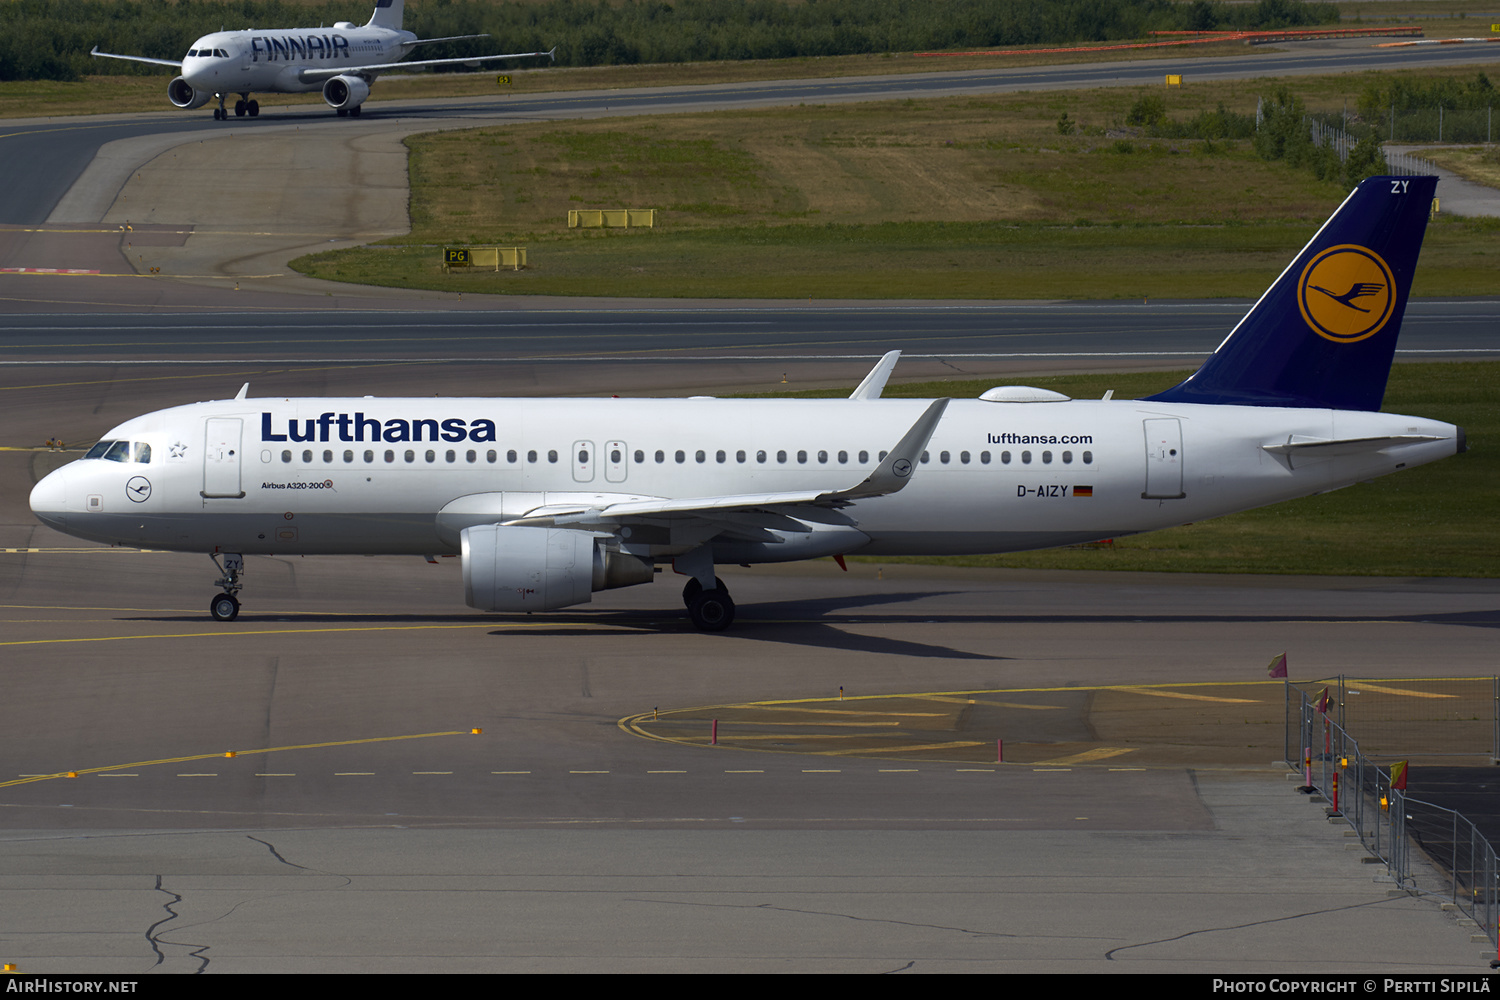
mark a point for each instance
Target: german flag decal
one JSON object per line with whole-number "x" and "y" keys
{"x": 1083, "y": 491}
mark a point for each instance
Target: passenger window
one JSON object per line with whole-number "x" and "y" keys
{"x": 984, "y": 458}
{"x": 489, "y": 456}
{"x": 640, "y": 457}
{"x": 760, "y": 457}
{"x": 286, "y": 456}
{"x": 431, "y": 455}
{"x": 1047, "y": 457}
{"x": 943, "y": 457}
{"x": 1005, "y": 458}
{"x": 1088, "y": 458}
{"x": 681, "y": 457}
{"x": 700, "y": 457}
{"x": 1067, "y": 458}
{"x": 552, "y": 457}
{"x": 661, "y": 456}
{"x": 531, "y": 456}
{"x": 801, "y": 458}
{"x": 963, "y": 457}
{"x": 739, "y": 456}
{"x": 348, "y": 457}
{"x": 307, "y": 456}
{"x": 1026, "y": 458}
{"x": 823, "y": 457}
{"x": 411, "y": 456}
{"x": 843, "y": 457}
{"x": 864, "y": 457}
{"x": 781, "y": 457}
{"x": 327, "y": 457}
{"x": 390, "y": 455}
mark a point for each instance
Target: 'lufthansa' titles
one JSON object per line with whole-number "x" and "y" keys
{"x": 359, "y": 427}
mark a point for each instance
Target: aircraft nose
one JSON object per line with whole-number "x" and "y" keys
{"x": 49, "y": 499}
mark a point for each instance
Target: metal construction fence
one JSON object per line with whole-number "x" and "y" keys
{"x": 1399, "y": 164}
{"x": 1452, "y": 859}
{"x": 1439, "y": 124}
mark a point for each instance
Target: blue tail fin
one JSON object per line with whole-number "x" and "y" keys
{"x": 388, "y": 14}
{"x": 1324, "y": 333}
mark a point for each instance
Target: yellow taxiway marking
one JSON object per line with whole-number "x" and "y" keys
{"x": 28, "y": 778}
{"x": 922, "y": 747}
{"x": 1088, "y": 756}
{"x": 753, "y": 722}
{"x": 267, "y": 631}
{"x": 1132, "y": 689}
{"x": 992, "y": 704}
{"x": 837, "y": 711}
{"x": 1382, "y": 689}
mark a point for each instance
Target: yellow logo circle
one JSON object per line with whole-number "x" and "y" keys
{"x": 1346, "y": 293}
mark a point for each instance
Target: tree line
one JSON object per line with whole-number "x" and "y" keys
{"x": 50, "y": 39}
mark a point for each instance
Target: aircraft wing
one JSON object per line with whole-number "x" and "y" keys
{"x": 890, "y": 476}
{"x": 140, "y": 59}
{"x": 315, "y": 75}
{"x": 433, "y": 41}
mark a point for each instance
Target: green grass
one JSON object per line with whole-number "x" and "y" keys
{"x": 972, "y": 197}
{"x": 1441, "y": 519}
{"x": 931, "y": 260}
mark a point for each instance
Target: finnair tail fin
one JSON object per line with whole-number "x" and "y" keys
{"x": 387, "y": 14}
{"x": 1324, "y": 334}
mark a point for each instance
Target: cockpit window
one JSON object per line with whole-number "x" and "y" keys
{"x": 121, "y": 451}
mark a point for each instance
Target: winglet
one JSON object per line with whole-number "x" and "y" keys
{"x": 874, "y": 383}
{"x": 894, "y": 473}
{"x": 244, "y": 391}
{"x": 552, "y": 54}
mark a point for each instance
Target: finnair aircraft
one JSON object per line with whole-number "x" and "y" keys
{"x": 342, "y": 61}
{"x": 549, "y": 500}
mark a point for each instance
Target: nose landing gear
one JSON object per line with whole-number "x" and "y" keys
{"x": 225, "y": 607}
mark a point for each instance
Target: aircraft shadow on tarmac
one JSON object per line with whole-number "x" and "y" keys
{"x": 818, "y": 623}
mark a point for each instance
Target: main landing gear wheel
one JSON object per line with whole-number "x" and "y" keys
{"x": 711, "y": 610}
{"x": 693, "y": 588}
{"x": 224, "y": 607}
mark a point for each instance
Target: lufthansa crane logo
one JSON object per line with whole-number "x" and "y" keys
{"x": 138, "y": 489}
{"x": 1346, "y": 293}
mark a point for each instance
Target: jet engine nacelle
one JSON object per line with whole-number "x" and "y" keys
{"x": 344, "y": 93}
{"x": 182, "y": 94}
{"x": 512, "y": 568}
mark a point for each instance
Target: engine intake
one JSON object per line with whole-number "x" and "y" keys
{"x": 182, "y": 94}
{"x": 344, "y": 93}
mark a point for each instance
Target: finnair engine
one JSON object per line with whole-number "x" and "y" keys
{"x": 182, "y": 94}
{"x": 512, "y": 568}
{"x": 345, "y": 93}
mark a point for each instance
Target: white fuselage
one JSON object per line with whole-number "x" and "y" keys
{"x": 274, "y": 61}
{"x": 365, "y": 475}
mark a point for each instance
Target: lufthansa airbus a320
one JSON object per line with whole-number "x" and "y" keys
{"x": 549, "y": 500}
